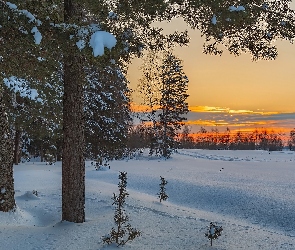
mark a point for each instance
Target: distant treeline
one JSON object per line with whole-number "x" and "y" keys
{"x": 232, "y": 141}
{"x": 214, "y": 139}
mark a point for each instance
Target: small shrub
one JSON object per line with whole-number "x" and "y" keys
{"x": 214, "y": 232}
{"x": 122, "y": 228}
{"x": 100, "y": 164}
{"x": 49, "y": 159}
{"x": 162, "y": 194}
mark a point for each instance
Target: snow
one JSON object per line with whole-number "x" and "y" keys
{"x": 28, "y": 14}
{"x": 22, "y": 87}
{"x": 214, "y": 20}
{"x": 238, "y": 8}
{"x": 31, "y": 17}
{"x": 22, "y": 29}
{"x": 81, "y": 44}
{"x": 250, "y": 196}
{"x": 37, "y": 35}
{"x": 113, "y": 15}
{"x": 11, "y": 6}
{"x": 101, "y": 39}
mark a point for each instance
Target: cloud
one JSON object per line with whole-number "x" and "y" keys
{"x": 204, "y": 116}
{"x": 223, "y": 117}
{"x": 228, "y": 110}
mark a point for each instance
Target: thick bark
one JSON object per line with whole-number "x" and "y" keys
{"x": 41, "y": 152}
{"x": 7, "y": 202}
{"x": 73, "y": 164}
{"x": 16, "y": 157}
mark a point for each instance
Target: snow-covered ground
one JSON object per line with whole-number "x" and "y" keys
{"x": 249, "y": 193}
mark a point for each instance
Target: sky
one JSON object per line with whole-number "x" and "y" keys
{"x": 228, "y": 91}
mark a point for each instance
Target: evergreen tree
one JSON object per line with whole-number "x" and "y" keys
{"x": 162, "y": 194}
{"x": 138, "y": 139}
{"x": 165, "y": 95}
{"x": 68, "y": 26}
{"x": 123, "y": 228}
{"x": 214, "y": 232}
{"x": 185, "y": 140}
{"x": 150, "y": 91}
{"x": 33, "y": 115}
{"x": 7, "y": 201}
{"x": 148, "y": 85}
{"x": 73, "y": 163}
{"x": 173, "y": 103}
{"x": 107, "y": 113}
{"x": 65, "y": 28}
{"x": 292, "y": 139}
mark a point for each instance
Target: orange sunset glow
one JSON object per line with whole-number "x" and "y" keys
{"x": 235, "y": 92}
{"x": 219, "y": 109}
{"x": 236, "y": 120}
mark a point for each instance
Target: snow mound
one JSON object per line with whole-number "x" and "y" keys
{"x": 16, "y": 218}
{"x": 29, "y": 195}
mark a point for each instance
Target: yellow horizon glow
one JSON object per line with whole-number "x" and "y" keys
{"x": 234, "y": 123}
{"x": 230, "y": 81}
{"x": 141, "y": 108}
{"x": 224, "y": 123}
{"x": 145, "y": 108}
{"x": 232, "y": 87}
{"x": 228, "y": 110}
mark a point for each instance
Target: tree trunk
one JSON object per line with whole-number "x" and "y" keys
{"x": 41, "y": 151}
{"x": 7, "y": 202}
{"x": 16, "y": 146}
{"x": 165, "y": 146}
{"x": 73, "y": 164}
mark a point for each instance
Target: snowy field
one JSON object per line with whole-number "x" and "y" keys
{"x": 249, "y": 193}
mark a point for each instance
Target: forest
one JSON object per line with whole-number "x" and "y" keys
{"x": 64, "y": 90}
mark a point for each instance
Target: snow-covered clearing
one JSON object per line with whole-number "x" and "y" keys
{"x": 249, "y": 193}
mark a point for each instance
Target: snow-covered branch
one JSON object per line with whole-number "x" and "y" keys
{"x": 98, "y": 39}
{"x": 21, "y": 86}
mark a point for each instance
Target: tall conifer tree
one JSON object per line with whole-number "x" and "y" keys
{"x": 173, "y": 102}
{"x": 62, "y": 25}
{"x": 7, "y": 201}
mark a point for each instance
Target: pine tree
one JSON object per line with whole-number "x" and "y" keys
{"x": 214, "y": 232}
{"x": 66, "y": 24}
{"x": 185, "y": 140}
{"x": 173, "y": 103}
{"x": 121, "y": 218}
{"x": 166, "y": 97}
{"x": 148, "y": 85}
{"x": 34, "y": 116}
{"x": 7, "y": 201}
{"x": 292, "y": 139}
{"x": 73, "y": 163}
{"x": 107, "y": 113}
{"x": 162, "y": 194}
{"x": 150, "y": 91}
